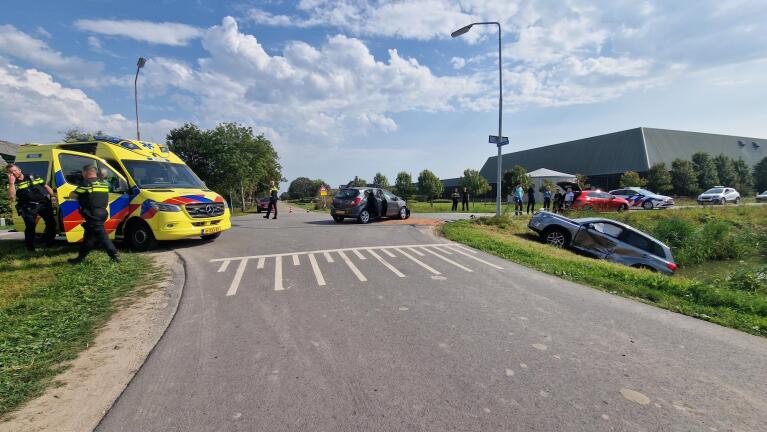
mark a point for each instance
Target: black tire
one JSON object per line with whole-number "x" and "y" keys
{"x": 623, "y": 208}
{"x": 737, "y": 200}
{"x": 723, "y": 201}
{"x": 211, "y": 237}
{"x": 364, "y": 217}
{"x": 557, "y": 237}
{"x": 403, "y": 214}
{"x": 139, "y": 237}
{"x": 338, "y": 219}
{"x": 647, "y": 205}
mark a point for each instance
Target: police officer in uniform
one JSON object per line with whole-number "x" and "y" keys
{"x": 33, "y": 198}
{"x": 93, "y": 195}
{"x": 455, "y": 197}
{"x": 272, "y": 201}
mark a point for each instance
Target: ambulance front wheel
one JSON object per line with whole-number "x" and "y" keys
{"x": 139, "y": 236}
{"x": 211, "y": 237}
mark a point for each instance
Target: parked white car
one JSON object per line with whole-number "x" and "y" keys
{"x": 642, "y": 198}
{"x": 762, "y": 197}
{"x": 719, "y": 195}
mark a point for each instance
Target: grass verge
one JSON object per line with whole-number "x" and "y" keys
{"x": 509, "y": 239}
{"x": 50, "y": 311}
{"x": 445, "y": 207}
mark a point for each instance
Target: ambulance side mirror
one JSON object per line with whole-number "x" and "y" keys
{"x": 122, "y": 187}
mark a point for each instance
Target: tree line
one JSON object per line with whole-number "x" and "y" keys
{"x": 702, "y": 172}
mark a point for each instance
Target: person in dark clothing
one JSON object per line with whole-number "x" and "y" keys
{"x": 530, "y": 199}
{"x": 373, "y": 207}
{"x": 465, "y": 200}
{"x": 33, "y": 198}
{"x": 547, "y": 199}
{"x": 455, "y": 197}
{"x": 93, "y": 195}
{"x": 560, "y": 202}
{"x": 272, "y": 201}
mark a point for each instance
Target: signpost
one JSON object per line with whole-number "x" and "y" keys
{"x": 323, "y": 194}
{"x": 493, "y": 139}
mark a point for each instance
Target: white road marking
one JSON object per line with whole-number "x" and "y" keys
{"x": 322, "y": 251}
{"x": 316, "y": 269}
{"x": 448, "y": 260}
{"x": 464, "y": 248}
{"x": 359, "y": 254}
{"x": 327, "y": 256}
{"x": 295, "y": 260}
{"x": 224, "y": 265}
{"x": 237, "y": 278}
{"x": 385, "y": 263}
{"x": 388, "y": 252}
{"x": 278, "y": 275}
{"x": 352, "y": 267}
{"x": 475, "y": 258}
{"x": 415, "y": 260}
{"x": 261, "y": 263}
{"x": 416, "y": 251}
{"x": 447, "y": 252}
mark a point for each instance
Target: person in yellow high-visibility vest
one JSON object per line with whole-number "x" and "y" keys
{"x": 272, "y": 201}
{"x": 455, "y": 197}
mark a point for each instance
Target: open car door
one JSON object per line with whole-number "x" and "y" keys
{"x": 67, "y": 166}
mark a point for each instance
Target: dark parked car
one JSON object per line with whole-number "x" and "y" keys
{"x": 593, "y": 200}
{"x": 262, "y": 204}
{"x": 353, "y": 203}
{"x": 604, "y": 239}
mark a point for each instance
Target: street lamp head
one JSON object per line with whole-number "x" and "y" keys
{"x": 461, "y": 30}
{"x": 141, "y": 62}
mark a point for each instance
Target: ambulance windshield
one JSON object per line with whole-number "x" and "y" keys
{"x": 155, "y": 174}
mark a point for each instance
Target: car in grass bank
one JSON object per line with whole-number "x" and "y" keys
{"x": 352, "y": 203}
{"x": 604, "y": 239}
{"x": 762, "y": 197}
{"x": 719, "y": 195}
{"x": 639, "y": 198}
{"x": 593, "y": 200}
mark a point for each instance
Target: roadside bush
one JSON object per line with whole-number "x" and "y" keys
{"x": 675, "y": 232}
{"x": 754, "y": 281}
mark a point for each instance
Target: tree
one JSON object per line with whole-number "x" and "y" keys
{"x": 404, "y": 184}
{"x": 725, "y": 168}
{"x": 744, "y": 180}
{"x": 760, "y": 175}
{"x": 632, "y": 179}
{"x": 381, "y": 181}
{"x": 547, "y": 185}
{"x": 302, "y": 187}
{"x": 473, "y": 181}
{"x": 683, "y": 178}
{"x": 659, "y": 179}
{"x": 358, "y": 182}
{"x": 583, "y": 181}
{"x": 705, "y": 169}
{"x": 429, "y": 185}
{"x": 77, "y": 134}
{"x": 513, "y": 177}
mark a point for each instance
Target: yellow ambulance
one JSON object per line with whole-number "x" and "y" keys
{"x": 154, "y": 195}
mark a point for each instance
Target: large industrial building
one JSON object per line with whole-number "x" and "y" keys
{"x": 605, "y": 158}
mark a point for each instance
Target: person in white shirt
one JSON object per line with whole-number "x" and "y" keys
{"x": 569, "y": 196}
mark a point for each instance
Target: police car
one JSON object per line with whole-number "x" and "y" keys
{"x": 639, "y": 198}
{"x": 719, "y": 195}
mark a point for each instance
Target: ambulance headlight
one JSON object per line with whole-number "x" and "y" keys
{"x": 165, "y": 207}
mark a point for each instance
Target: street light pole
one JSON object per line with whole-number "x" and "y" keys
{"x": 140, "y": 64}
{"x": 499, "y": 143}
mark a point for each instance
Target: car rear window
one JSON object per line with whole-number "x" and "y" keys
{"x": 347, "y": 193}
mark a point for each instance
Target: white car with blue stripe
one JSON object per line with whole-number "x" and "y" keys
{"x": 639, "y": 198}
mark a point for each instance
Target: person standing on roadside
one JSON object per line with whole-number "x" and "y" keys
{"x": 93, "y": 195}
{"x": 465, "y": 199}
{"x": 569, "y": 197}
{"x": 546, "y": 199}
{"x": 33, "y": 198}
{"x": 272, "y": 201}
{"x": 455, "y": 197}
{"x": 530, "y": 199}
{"x": 518, "y": 193}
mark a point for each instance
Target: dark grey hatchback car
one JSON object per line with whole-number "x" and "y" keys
{"x": 355, "y": 203}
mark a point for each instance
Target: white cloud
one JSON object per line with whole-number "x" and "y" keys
{"x": 163, "y": 33}
{"x": 33, "y": 106}
{"x": 458, "y": 62}
{"x": 94, "y": 43}
{"x": 17, "y": 44}
{"x": 43, "y": 32}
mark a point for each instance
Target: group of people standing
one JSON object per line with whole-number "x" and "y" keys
{"x": 555, "y": 203}
{"x": 463, "y": 197}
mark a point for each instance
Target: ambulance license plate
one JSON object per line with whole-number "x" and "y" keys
{"x": 211, "y": 230}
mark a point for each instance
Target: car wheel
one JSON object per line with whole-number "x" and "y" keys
{"x": 647, "y": 205}
{"x": 622, "y": 208}
{"x": 723, "y": 201}
{"x": 139, "y": 236}
{"x": 737, "y": 200}
{"x": 338, "y": 219}
{"x": 364, "y": 217}
{"x": 211, "y": 237}
{"x": 556, "y": 237}
{"x": 403, "y": 213}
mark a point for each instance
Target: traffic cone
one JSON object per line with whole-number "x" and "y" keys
{"x": 290, "y": 209}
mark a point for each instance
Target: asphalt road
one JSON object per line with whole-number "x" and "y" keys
{"x": 392, "y": 336}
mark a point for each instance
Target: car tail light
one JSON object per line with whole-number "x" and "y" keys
{"x": 356, "y": 201}
{"x": 671, "y": 266}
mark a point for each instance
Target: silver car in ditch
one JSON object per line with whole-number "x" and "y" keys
{"x": 604, "y": 239}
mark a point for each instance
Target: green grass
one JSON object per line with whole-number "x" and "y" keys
{"x": 445, "y": 207}
{"x": 510, "y": 239}
{"x": 50, "y": 311}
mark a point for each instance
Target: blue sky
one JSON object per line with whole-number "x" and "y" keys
{"x": 347, "y": 88}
